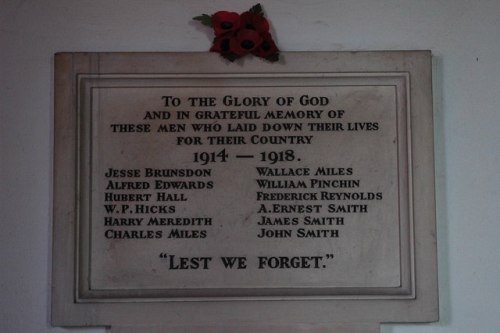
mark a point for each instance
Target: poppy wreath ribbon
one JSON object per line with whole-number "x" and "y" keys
{"x": 237, "y": 35}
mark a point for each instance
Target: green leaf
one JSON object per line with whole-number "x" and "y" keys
{"x": 229, "y": 56}
{"x": 274, "y": 57}
{"x": 257, "y": 10}
{"x": 204, "y": 19}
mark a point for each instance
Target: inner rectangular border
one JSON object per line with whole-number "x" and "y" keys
{"x": 87, "y": 82}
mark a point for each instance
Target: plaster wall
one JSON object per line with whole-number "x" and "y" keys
{"x": 464, "y": 37}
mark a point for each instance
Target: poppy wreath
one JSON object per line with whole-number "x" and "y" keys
{"x": 237, "y": 35}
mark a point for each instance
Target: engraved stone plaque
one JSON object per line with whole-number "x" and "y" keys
{"x": 185, "y": 182}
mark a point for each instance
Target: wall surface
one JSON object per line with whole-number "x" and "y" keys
{"x": 463, "y": 35}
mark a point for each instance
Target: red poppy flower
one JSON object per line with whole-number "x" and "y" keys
{"x": 255, "y": 22}
{"x": 224, "y": 22}
{"x": 221, "y": 44}
{"x": 244, "y": 42}
{"x": 267, "y": 47}
{"x": 238, "y": 35}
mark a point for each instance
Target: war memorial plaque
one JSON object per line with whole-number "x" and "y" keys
{"x": 185, "y": 184}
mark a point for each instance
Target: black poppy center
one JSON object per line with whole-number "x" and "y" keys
{"x": 265, "y": 46}
{"x": 226, "y": 25}
{"x": 250, "y": 26}
{"x": 224, "y": 45}
{"x": 247, "y": 44}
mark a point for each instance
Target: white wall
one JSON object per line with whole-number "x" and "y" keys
{"x": 463, "y": 35}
